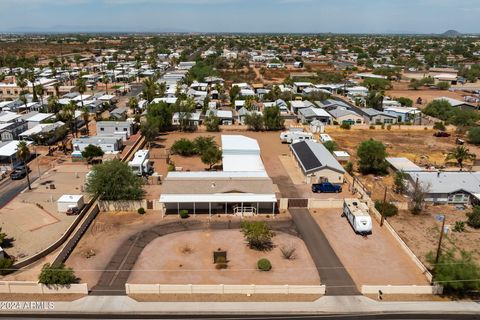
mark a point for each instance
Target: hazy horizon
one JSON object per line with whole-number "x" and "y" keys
{"x": 240, "y": 16}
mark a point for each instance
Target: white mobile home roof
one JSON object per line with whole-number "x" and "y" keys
{"x": 237, "y": 144}
{"x": 243, "y": 163}
{"x": 215, "y": 175}
{"x": 9, "y": 116}
{"x": 10, "y": 148}
{"x": 403, "y": 164}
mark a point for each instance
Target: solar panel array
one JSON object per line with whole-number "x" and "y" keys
{"x": 306, "y": 156}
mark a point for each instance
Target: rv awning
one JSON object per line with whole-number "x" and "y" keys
{"x": 217, "y": 198}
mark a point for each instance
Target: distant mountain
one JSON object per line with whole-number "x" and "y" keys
{"x": 451, "y": 33}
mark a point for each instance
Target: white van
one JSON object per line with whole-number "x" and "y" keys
{"x": 357, "y": 215}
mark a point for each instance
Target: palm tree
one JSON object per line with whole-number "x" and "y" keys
{"x": 86, "y": 118}
{"x": 106, "y": 80}
{"x": 52, "y": 104}
{"x": 69, "y": 114}
{"x": 133, "y": 104}
{"x": 56, "y": 85}
{"x": 460, "y": 154}
{"x": 82, "y": 87}
{"x": 22, "y": 83}
{"x": 40, "y": 91}
{"x": 23, "y": 153}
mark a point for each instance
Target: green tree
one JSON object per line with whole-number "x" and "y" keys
{"x": 81, "y": 87}
{"x": 460, "y": 154}
{"x": 86, "y": 118}
{"x": 254, "y": 121}
{"x": 202, "y": 144}
{"x": 456, "y": 272}
{"x": 400, "y": 182}
{"x": 133, "y": 104}
{"x": 375, "y": 84}
{"x": 114, "y": 180}
{"x": 150, "y": 130}
{"x": 372, "y": 154}
{"x": 184, "y": 147}
{"x": 443, "y": 85}
{"x": 374, "y": 100}
{"x": 56, "y": 275}
{"x": 258, "y": 235}
{"x": 6, "y": 266}
{"x": 23, "y": 153}
{"x": 474, "y": 135}
{"x": 330, "y": 145}
{"x": 234, "y": 92}
{"x": 92, "y": 151}
{"x": 161, "y": 114}
{"x": 272, "y": 119}
{"x": 106, "y": 81}
{"x": 405, "y": 102}
{"x": 212, "y": 123}
{"x": 473, "y": 217}
{"x": 211, "y": 156}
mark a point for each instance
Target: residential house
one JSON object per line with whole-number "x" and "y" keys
{"x": 109, "y": 144}
{"x": 123, "y": 129}
{"x": 11, "y": 125}
{"x": 307, "y": 115}
{"x": 317, "y": 163}
{"x": 404, "y": 114}
{"x": 342, "y": 115}
{"x": 458, "y": 103}
{"x": 225, "y": 116}
{"x": 373, "y": 116}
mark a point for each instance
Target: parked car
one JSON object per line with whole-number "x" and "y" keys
{"x": 73, "y": 211}
{"x": 441, "y": 134}
{"x": 326, "y": 187}
{"x": 18, "y": 174}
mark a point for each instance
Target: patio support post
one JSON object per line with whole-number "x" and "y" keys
{"x": 209, "y": 209}
{"x": 194, "y": 213}
{"x": 178, "y": 209}
{"x": 273, "y": 210}
{"x": 226, "y": 207}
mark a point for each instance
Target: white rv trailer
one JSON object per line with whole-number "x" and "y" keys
{"x": 325, "y": 137}
{"x": 140, "y": 163}
{"x": 357, "y": 215}
{"x": 291, "y": 136}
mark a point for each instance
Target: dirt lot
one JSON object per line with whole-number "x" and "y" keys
{"x": 400, "y": 89}
{"x": 373, "y": 260}
{"x": 421, "y": 233}
{"x": 34, "y": 214}
{"x": 420, "y": 146}
{"x": 187, "y": 257}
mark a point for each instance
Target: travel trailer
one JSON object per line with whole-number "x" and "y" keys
{"x": 357, "y": 215}
{"x": 295, "y": 136}
{"x": 140, "y": 163}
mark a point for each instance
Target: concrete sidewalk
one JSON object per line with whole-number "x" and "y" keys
{"x": 327, "y": 304}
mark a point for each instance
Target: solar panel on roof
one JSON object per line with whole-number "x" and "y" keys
{"x": 306, "y": 156}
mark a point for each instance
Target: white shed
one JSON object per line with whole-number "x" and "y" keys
{"x": 69, "y": 201}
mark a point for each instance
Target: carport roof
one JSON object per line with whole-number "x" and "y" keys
{"x": 217, "y": 198}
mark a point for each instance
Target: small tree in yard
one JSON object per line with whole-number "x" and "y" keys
{"x": 460, "y": 154}
{"x": 254, "y": 121}
{"x": 457, "y": 273}
{"x": 330, "y": 145}
{"x": 5, "y": 266}
{"x": 440, "y": 126}
{"x": 400, "y": 182}
{"x": 474, "y": 135}
{"x": 211, "y": 156}
{"x": 443, "y": 85}
{"x": 258, "y": 235}
{"x": 212, "y": 123}
{"x": 202, "y": 144}
{"x": 474, "y": 218}
{"x": 56, "y": 275}
{"x": 183, "y": 147}
{"x": 372, "y": 154}
{"x": 272, "y": 119}
{"x": 150, "y": 130}
{"x": 418, "y": 197}
{"x": 114, "y": 180}
{"x": 387, "y": 209}
{"x": 92, "y": 151}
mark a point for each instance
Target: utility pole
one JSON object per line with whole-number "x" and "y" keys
{"x": 440, "y": 240}
{"x": 383, "y": 207}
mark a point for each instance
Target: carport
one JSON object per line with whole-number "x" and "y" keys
{"x": 232, "y": 203}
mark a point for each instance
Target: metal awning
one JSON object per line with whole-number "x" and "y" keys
{"x": 218, "y": 198}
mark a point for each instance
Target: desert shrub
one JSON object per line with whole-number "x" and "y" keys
{"x": 264, "y": 265}
{"x": 474, "y": 218}
{"x": 382, "y": 126}
{"x": 56, "y": 275}
{"x": 346, "y": 126}
{"x": 474, "y": 135}
{"x": 372, "y": 127}
{"x": 258, "y": 235}
{"x": 184, "y": 214}
{"x": 389, "y": 127}
{"x": 349, "y": 167}
{"x": 390, "y": 209}
{"x": 439, "y": 126}
{"x": 141, "y": 211}
{"x": 459, "y": 226}
{"x": 288, "y": 252}
{"x": 457, "y": 273}
{"x": 171, "y": 167}
{"x": 5, "y": 265}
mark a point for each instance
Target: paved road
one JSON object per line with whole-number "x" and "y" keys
{"x": 331, "y": 270}
{"x": 266, "y": 317}
{"x": 112, "y": 282}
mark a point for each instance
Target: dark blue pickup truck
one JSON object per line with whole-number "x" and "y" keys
{"x": 326, "y": 187}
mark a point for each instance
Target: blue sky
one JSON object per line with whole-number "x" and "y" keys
{"x": 339, "y": 16}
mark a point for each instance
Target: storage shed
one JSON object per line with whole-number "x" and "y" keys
{"x": 70, "y": 201}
